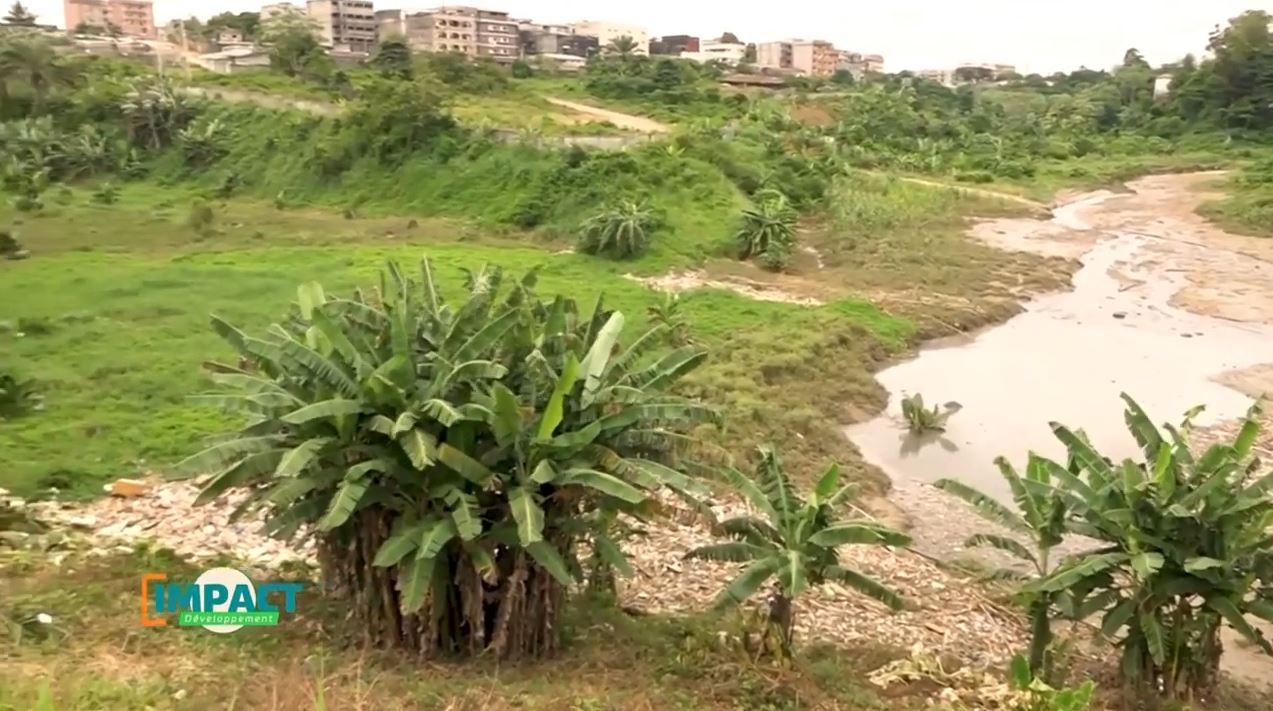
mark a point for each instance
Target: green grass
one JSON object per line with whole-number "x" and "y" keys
{"x": 126, "y": 292}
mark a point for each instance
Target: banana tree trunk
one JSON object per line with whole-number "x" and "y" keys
{"x": 1040, "y": 633}
{"x": 782, "y": 620}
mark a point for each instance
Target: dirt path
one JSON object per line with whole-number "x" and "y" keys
{"x": 1187, "y": 304}
{"x": 983, "y": 192}
{"x": 622, "y": 120}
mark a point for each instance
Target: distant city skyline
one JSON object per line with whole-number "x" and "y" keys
{"x": 911, "y": 34}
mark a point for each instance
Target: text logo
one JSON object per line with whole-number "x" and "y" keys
{"x": 221, "y": 600}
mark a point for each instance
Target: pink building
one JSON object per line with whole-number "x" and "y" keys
{"x": 132, "y": 18}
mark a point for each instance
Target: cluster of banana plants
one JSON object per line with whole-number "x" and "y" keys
{"x": 450, "y": 458}
{"x": 1185, "y": 545}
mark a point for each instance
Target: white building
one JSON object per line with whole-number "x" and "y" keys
{"x": 233, "y": 59}
{"x": 607, "y": 32}
{"x": 1162, "y": 86}
{"x": 730, "y": 53}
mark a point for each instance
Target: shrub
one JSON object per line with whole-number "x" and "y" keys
{"x": 920, "y": 420}
{"x": 202, "y": 143}
{"x": 201, "y": 218}
{"x": 522, "y": 70}
{"x": 10, "y": 247}
{"x": 106, "y": 193}
{"x": 620, "y": 232}
{"x": 449, "y": 457}
{"x": 18, "y": 397}
{"x": 794, "y": 542}
{"x": 768, "y": 230}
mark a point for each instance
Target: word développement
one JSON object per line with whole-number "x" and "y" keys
{"x": 220, "y": 600}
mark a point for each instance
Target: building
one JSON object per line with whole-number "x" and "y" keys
{"x": 859, "y": 65}
{"x": 130, "y": 18}
{"x": 561, "y": 62}
{"x": 774, "y": 55}
{"x": 608, "y": 32}
{"x": 455, "y": 28}
{"x": 544, "y": 40}
{"x": 674, "y": 44}
{"x": 345, "y": 23}
{"x": 729, "y": 53}
{"x": 1162, "y": 86}
{"x": 234, "y": 59}
{"x": 945, "y": 77}
{"x": 817, "y": 58}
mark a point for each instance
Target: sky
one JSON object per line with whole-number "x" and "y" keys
{"x": 1036, "y": 35}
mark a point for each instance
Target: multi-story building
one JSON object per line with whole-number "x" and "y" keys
{"x": 817, "y": 58}
{"x": 345, "y": 23}
{"x": 859, "y": 64}
{"x": 607, "y": 32}
{"x": 729, "y": 53}
{"x": 537, "y": 39}
{"x": 131, "y": 18}
{"x": 674, "y": 44}
{"x": 454, "y": 28}
{"x": 774, "y": 55}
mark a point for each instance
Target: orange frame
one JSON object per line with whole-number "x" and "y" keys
{"x": 150, "y": 621}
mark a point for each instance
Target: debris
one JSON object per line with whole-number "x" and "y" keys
{"x": 127, "y": 487}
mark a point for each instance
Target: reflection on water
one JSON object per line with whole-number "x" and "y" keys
{"x": 911, "y": 443}
{"x": 1066, "y": 358}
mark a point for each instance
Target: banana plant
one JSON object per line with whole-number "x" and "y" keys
{"x": 1041, "y": 519}
{"x": 1187, "y": 548}
{"x": 793, "y": 541}
{"x": 448, "y": 458}
{"x": 920, "y": 419}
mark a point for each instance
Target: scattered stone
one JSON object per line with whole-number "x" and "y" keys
{"x": 127, "y": 487}
{"x": 1120, "y": 314}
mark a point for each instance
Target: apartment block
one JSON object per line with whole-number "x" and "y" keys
{"x": 728, "y": 53}
{"x": 608, "y": 32}
{"x": 774, "y": 55}
{"x": 559, "y": 40}
{"x": 859, "y": 64}
{"x": 674, "y": 44}
{"x": 345, "y": 23}
{"x": 467, "y": 30}
{"x": 131, "y": 18}
{"x": 814, "y": 57}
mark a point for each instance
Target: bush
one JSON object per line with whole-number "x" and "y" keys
{"x": 768, "y": 230}
{"x": 450, "y": 458}
{"x": 201, "y": 218}
{"x": 106, "y": 193}
{"x": 10, "y": 247}
{"x": 619, "y": 232}
{"x": 18, "y": 397}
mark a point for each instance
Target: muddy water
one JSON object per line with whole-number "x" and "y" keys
{"x": 1069, "y": 355}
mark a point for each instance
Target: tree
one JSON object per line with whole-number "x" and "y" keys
{"x": 974, "y": 74}
{"x": 794, "y": 541}
{"x": 1133, "y": 58}
{"x": 449, "y": 457}
{"x": 729, "y": 37}
{"x": 394, "y": 58}
{"x": 1041, "y": 520}
{"x": 749, "y": 53}
{"x": 33, "y": 63}
{"x": 85, "y": 28}
{"x": 1185, "y": 550}
{"x": 1241, "y": 69}
{"x": 294, "y": 45}
{"x": 622, "y": 46}
{"x": 19, "y": 15}
{"x": 247, "y": 24}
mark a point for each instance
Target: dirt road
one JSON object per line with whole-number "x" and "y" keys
{"x": 622, "y": 120}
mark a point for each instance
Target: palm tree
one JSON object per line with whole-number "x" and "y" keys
{"x": 36, "y": 64}
{"x": 1042, "y": 521}
{"x": 622, "y": 46}
{"x": 795, "y": 542}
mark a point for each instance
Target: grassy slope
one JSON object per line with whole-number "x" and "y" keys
{"x": 125, "y": 291}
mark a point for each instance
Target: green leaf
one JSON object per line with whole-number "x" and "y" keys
{"x": 544, "y": 472}
{"x": 465, "y": 513}
{"x": 793, "y": 577}
{"x": 507, "y": 424}
{"x": 735, "y": 552}
{"x": 1067, "y": 575}
{"x": 381, "y": 424}
{"x": 1230, "y": 612}
{"x": 483, "y": 340}
{"x": 1003, "y": 543}
{"x": 327, "y": 408}
{"x": 343, "y": 503}
{"x": 1146, "y": 564}
{"x": 240, "y": 473}
{"x": 553, "y": 411}
{"x": 747, "y": 582}
{"x": 434, "y": 536}
{"x": 528, "y": 515}
{"x": 594, "y": 363}
{"x": 867, "y": 586}
{"x": 219, "y": 455}
{"x": 405, "y": 423}
{"x": 464, "y": 465}
{"x": 610, "y": 552}
{"x": 414, "y": 578}
{"x": 549, "y": 558}
{"x": 859, "y": 533}
{"x": 310, "y": 296}
{"x": 1199, "y": 563}
{"x": 825, "y": 488}
{"x": 1116, "y": 618}
{"x": 1088, "y": 458}
{"x": 420, "y": 447}
{"x": 295, "y": 461}
{"x": 753, "y": 494}
{"x": 397, "y": 546}
{"x": 605, "y": 483}
{"x": 986, "y": 506}
{"x": 1153, "y": 632}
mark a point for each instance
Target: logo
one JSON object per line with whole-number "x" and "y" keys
{"x": 221, "y": 600}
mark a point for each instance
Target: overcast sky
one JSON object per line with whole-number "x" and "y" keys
{"x": 1036, "y": 35}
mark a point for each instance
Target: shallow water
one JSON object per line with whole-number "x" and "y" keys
{"x": 1066, "y": 358}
